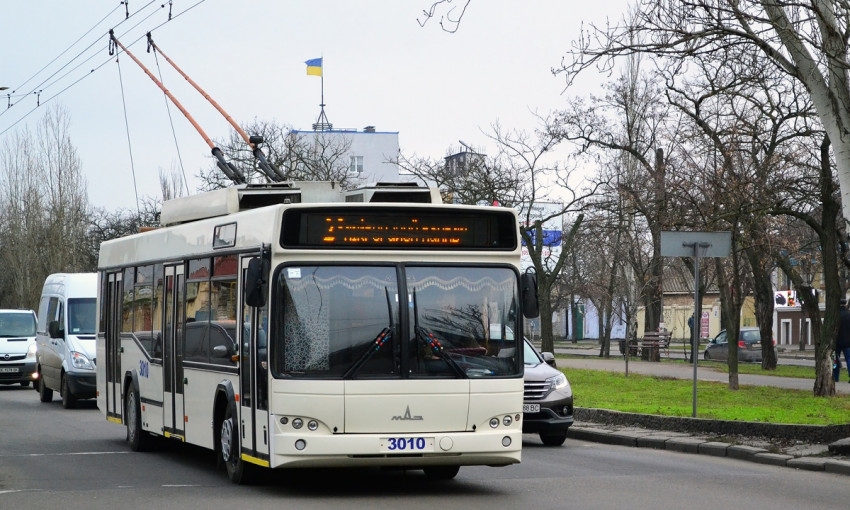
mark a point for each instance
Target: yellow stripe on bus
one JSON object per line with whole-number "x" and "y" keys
{"x": 255, "y": 460}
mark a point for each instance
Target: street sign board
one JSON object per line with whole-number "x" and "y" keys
{"x": 681, "y": 244}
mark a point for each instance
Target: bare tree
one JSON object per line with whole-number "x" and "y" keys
{"x": 632, "y": 120}
{"x": 541, "y": 182}
{"x": 450, "y": 14}
{"x": 806, "y": 40}
{"x": 297, "y": 156}
{"x": 44, "y": 209}
{"x": 471, "y": 181}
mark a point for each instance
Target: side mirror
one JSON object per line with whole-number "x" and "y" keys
{"x": 55, "y": 330}
{"x": 256, "y": 282}
{"x": 549, "y": 358}
{"x": 528, "y": 287}
{"x": 220, "y": 351}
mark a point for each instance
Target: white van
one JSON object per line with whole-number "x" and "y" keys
{"x": 65, "y": 357}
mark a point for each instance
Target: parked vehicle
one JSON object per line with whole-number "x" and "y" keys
{"x": 548, "y": 401}
{"x": 749, "y": 346}
{"x": 65, "y": 358}
{"x": 17, "y": 346}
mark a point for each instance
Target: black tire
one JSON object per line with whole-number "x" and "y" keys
{"x": 441, "y": 472}
{"x": 706, "y": 355}
{"x": 25, "y": 383}
{"x": 553, "y": 438}
{"x": 139, "y": 439}
{"x": 68, "y": 400}
{"x": 45, "y": 394}
{"x": 237, "y": 471}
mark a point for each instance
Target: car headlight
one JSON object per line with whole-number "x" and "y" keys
{"x": 79, "y": 360}
{"x": 31, "y": 351}
{"x": 559, "y": 382}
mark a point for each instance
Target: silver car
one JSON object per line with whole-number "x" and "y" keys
{"x": 548, "y": 402}
{"x": 17, "y": 346}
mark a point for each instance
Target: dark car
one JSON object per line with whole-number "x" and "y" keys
{"x": 548, "y": 403}
{"x": 749, "y": 346}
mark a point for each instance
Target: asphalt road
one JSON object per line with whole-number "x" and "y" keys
{"x": 52, "y": 458}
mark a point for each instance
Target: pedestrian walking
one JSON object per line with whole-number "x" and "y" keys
{"x": 842, "y": 341}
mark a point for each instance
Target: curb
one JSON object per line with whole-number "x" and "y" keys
{"x": 688, "y": 444}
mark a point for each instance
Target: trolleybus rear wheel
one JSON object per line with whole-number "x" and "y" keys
{"x": 139, "y": 439}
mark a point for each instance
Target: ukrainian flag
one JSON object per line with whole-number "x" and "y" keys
{"x": 314, "y": 67}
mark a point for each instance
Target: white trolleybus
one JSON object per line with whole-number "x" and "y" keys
{"x": 295, "y": 325}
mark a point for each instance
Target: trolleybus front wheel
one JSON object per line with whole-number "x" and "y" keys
{"x": 441, "y": 472}
{"x": 229, "y": 449}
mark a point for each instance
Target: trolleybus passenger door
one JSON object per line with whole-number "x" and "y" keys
{"x": 253, "y": 373}
{"x": 172, "y": 354}
{"x": 112, "y": 308}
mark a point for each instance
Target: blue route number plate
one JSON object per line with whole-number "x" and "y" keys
{"x": 407, "y": 444}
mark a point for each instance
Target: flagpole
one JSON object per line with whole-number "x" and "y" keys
{"x": 322, "y": 123}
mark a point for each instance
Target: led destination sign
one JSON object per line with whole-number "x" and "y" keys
{"x": 396, "y": 228}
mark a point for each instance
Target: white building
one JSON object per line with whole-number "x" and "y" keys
{"x": 371, "y": 155}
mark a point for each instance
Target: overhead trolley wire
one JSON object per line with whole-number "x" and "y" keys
{"x": 96, "y": 68}
{"x": 129, "y": 144}
{"x": 66, "y": 51}
{"x": 171, "y": 123}
{"x": 41, "y": 86}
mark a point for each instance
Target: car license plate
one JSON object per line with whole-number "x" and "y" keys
{"x": 9, "y": 370}
{"x": 407, "y": 444}
{"x": 531, "y": 408}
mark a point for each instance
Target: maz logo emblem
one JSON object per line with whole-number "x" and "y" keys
{"x": 407, "y": 416}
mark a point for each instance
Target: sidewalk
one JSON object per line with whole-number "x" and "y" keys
{"x": 625, "y": 430}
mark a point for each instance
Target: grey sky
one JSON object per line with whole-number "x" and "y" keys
{"x": 380, "y": 68}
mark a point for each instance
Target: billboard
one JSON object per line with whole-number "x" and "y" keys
{"x": 553, "y": 229}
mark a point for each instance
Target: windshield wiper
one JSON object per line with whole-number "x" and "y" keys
{"x": 377, "y": 343}
{"x": 437, "y": 349}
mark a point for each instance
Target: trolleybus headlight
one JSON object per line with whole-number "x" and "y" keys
{"x": 301, "y": 444}
{"x": 494, "y": 422}
{"x": 506, "y": 420}
{"x": 284, "y": 420}
{"x": 506, "y": 441}
{"x": 297, "y": 423}
{"x": 312, "y": 424}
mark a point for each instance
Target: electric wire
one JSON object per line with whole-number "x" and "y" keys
{"x": 171, "y": 17}
{"x": 68, "y": 49}
{"x": 171, "y": 122}
{"x": 127, "y": 129}
{"x": 96, "y": 68}
{"x": 41, "y": 86}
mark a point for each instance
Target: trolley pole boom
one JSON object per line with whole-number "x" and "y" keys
{"x": 267, "y": 168}
{"x": 202, "y": 92}
{"x": 232, "y": 172}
